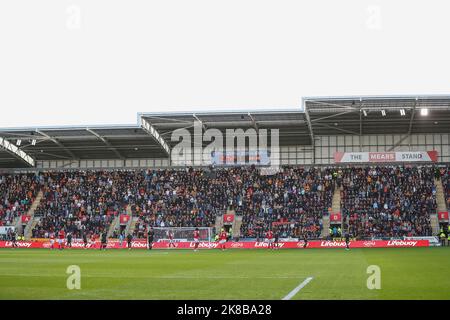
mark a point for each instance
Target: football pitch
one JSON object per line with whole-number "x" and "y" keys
{"x": 406, "y": 273}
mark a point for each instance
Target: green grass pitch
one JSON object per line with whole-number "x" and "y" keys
{"x": 409, "y": 273}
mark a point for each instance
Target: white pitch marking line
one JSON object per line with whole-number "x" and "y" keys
{"x": 297, "y": 289}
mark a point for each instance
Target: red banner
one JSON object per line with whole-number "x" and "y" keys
{"x": 335, "y": 217}
{"x": 124, "y": 218}
{"x": 25, "y": 219}
{"x": 228, "y": 218}
{"x": 443, "y": 215}
{"x": 278, "y": 223}
{"x": 142, "y": 244}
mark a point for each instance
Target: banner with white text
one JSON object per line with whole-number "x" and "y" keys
{"x": 375, "y": 157}
{"x": 142, "y": 244}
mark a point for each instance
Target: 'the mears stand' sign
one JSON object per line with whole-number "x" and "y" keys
{"x": 364, "y": 157}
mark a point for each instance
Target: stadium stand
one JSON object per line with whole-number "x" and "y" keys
{"x": 80, "y": 201}
{"x": 17, "y": 193}
{"x": 388, "y": 201}
{"x": 293, "y": 201}
{"x": 445, "y": 178}
{"x": 183, "y": 198}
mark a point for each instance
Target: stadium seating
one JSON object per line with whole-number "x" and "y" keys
{"x": 445, "y": 178}
{"x": 296, "y": 199}
{"x": 388, "y": 201}
{"x": 293, "y": 201}
{"x": 81, "y": 201}
{"x": 182, "y": 198}
{"x": 17, "y": 193}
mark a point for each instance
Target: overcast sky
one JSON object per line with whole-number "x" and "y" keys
{"x": 71, "y": 62}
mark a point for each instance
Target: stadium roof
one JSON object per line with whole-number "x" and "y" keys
{"x": 364, "y": 115}
{"x": 151, "y": 136}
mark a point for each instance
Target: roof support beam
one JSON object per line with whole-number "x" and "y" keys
{"x": 155, "y": 135}
{"x": 360, "y": 126}
{"x": 198, "y": 119}
{"x": 399, "y": 142}
{"x": 106, "y": 142}
{"x": 16, "y": 152}
{"x": 408, "y": 134}
{"x": 232, "y": 124}
{"x": 339, "y": 129}
{"x": 59, "y": 144}
{"x": 332, "y": 105}
{"x": 411, "y": 121}
{"x": 311, "y": 132}
{"x": 255, "y": 124}
{"x": 332, "y": 116}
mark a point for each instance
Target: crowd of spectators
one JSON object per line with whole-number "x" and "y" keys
{"x": 389, "y": 201}
{"x": 80, "y": 202}
{"x": 180, "y": 198}
{"x": 445, "y": 178}
{"x": 17, "y": 193}
{"x": 292, "y": 202}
